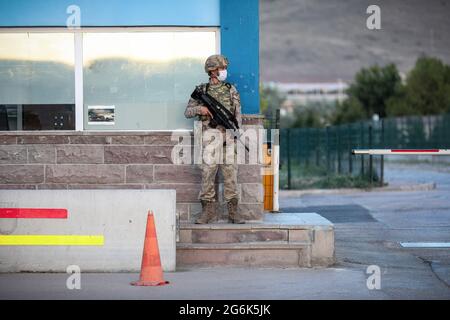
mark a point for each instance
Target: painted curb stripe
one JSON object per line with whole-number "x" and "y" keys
{"x": 51, "y": 240}
{"x": 33, "y": 213}
{"x": 425, "y": 244}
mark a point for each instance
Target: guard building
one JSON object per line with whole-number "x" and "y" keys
{"x": 90, "y": 91}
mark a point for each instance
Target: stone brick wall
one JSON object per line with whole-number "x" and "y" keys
{"x": 115, "y": 160}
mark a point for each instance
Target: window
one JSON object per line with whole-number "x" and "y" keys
{"x": 146, "y": 76}
{"x": 132, "y": 79}
{"x": 37, "y": 86}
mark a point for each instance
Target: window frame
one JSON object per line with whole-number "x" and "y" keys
{"x": 78, "y": 62}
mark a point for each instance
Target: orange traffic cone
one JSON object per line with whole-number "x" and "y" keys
{"x": 151, "y": 271}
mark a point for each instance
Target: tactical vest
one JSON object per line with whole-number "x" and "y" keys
{"x": 222, "y": 94}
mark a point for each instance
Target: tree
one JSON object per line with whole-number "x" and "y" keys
{"x": 373, "y": 87}
{"x": 427, "y": 90}
{"x": 312, "y": 114}
{"x": 270, "y": 100}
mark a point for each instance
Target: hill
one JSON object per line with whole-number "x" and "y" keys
{"x": 324, "y": 40}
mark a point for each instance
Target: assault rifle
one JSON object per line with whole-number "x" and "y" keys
{"x": 221, "y": 115}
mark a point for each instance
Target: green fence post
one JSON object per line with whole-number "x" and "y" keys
{"x": 298, "y": 147}
{"x": 317, "y": 146}
{"x": 362, "y": 146}
{"x": 328, "y": 149}
{"x": 382, "y": 156}
{"x": 350, "y": 157}
{"x": 338, "y": 148}
{"x": 307, "y": 146}
{"x": 288, "y": 157}
{"x": 370, "y": 156}
{"x": 446, "y": 141}
{"x": 277, "y": 119}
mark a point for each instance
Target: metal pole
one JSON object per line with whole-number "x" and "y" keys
{"x": 307, "y": 146}
{"x": 317, "y": 146}
{"x": 382, "y": 156}
{"x": 338, "y": 148}
{"x": 328, "y": 149}
{"x": 370, "y": 156}
{"x": 277, "y": 119}
{"x": 350, "y": 157}
{"x": 276, "y": 170}
{"x": 288, "y": 157}
{"x": 362, "y": 143}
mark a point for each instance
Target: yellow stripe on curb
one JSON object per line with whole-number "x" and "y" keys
{"x": 51, "y": 240}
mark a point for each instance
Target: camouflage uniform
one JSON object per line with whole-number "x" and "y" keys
{"x": 217, "y": 154}
{"x": 228, "y": 95}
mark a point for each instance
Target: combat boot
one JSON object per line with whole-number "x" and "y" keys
{"x": 233, "y": 216}
{"x": 208, "y": 213}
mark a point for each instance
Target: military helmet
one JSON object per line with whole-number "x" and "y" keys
{"x": 214, "y": 62}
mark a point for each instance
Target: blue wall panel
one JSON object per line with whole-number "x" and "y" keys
{"x": 26, "y": 13}
{"x": 240, "y": 43}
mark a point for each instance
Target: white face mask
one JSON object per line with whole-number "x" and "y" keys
{"x": 222, "y": 75}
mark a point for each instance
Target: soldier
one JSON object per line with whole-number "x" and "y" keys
{"x": 227, "y": 94}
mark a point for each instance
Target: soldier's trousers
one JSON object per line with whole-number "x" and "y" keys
{"x": 229, "y": 173}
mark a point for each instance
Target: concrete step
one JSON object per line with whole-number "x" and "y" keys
{"x": 230, "y": 233}
{"x": 250, "y": 254}
{"x": 246, "y": 245}
{"x": 280, "y": 240}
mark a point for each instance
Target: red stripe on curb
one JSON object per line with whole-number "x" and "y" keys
{"x": 32, "y": 213}
{"x": 414, "y": 150}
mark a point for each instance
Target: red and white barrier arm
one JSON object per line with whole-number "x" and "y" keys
{"x": 437, "y": 152}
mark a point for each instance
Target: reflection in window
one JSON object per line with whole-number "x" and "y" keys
{"x": 36, "y": 81}
{"x": 146, "y": 76}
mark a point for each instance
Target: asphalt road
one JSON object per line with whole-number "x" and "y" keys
{"x": 370, "y": 233}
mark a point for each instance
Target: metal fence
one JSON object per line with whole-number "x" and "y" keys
{"x": 321, "y": 157}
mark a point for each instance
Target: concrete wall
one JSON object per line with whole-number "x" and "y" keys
{"x": 114, "y": 160}
{"x": 119, "y": 215}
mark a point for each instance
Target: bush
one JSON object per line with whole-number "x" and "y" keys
{"x": 350, "y": 110}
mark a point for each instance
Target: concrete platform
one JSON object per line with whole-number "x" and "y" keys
{"x": 280, "y": 240}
